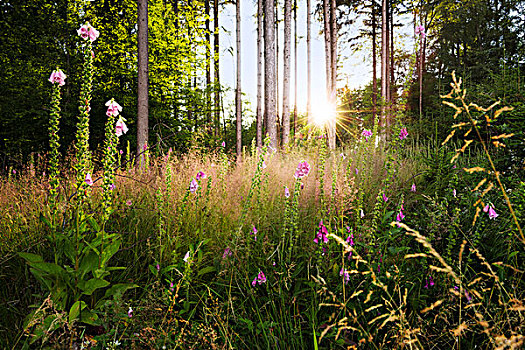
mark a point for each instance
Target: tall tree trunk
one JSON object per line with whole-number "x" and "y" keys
{"x": 327, "y": 45}
{"x": 238, "y": 102}
{"x": 278, "y": 114}
{"x": 259, "y": 113}
{"x": 142, "y": 100}
{"x": 384, "y": 67}
{"x": 286, "y": 70}
{"x": 391, "y": 65}
{"x": 374, "y": 61}
{"x": 308, "y": 64}
{"x": 208, "y": 62}
{"x": 333, "y": 73}
{"x": 269, "y": 72}
{"x": 216, "y": 57}
{"x": 295, "y": 70}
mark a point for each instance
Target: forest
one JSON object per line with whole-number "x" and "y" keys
{"x": 256, "y": 174}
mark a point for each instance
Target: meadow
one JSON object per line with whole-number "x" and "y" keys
{"x": 375, "y": 245}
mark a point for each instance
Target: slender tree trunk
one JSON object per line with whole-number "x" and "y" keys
{"x": 333, "y": 73}
{"x": 216, "y": 58}
{"x": 269, "y": 72}
{"x": 208, "y": 62}
{"x": 259, "y": 114}
{"x": 391, "y": 65}
{"x": 374, "y": 61}
{"x": 238, "y": 102}
{"x": 142, "y": 103}
{"x": 278, "y": 112}
{"x": 308, "y": 64}
{"x": 286, "y": 70}
{"x": 295, "y": 70}
{"x": 421, "y": 67}
{"x": 327, "y": 45}
{"x": 384, "y": 67}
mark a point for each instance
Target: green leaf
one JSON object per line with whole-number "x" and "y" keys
{"x": 109, "y": 251}
{"x": 118, "y": 289}
{"x": 74, "y": 312}
{"x": 50, "y": 268}
{"x": 94, "y": 224}
{"x": 31, "y": 258}
{"x": 93, "y": 284}
{"x": 45, "y": 221}
{"x": 205, "y": 270}
{"x": 88, "y": 263}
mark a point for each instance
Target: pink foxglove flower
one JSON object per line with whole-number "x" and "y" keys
{"x": 193, "y": 186}
{"x": 120, "y": 127}
{"x": 112, "y": 187}
{"x": 492, "y": 213}
{"x": 157, "y": 267}
{"x": 346, "y": 275}
{"x": 286, "y": 192}
{"x": 259, "y": 279}
{"x": 343, "y": 157}
{"x": 400, "y": 216}
{"x": 227, "y": 253}
{"x": 201, "y": 175}
{"x": 254, "y": 233}
{"x": 88, "y": 32}
{"x": 186, "y": 257}
{"x": 413, "y": 189}
{"x": 223, "y": 144}
{"x": 130, "y": 312}
{"x": 303, "y": 169}
{"x": 454, "y": 192}
{"x": 113, "y": 108}
{"x": 420, "y": 30}
{"x": 264, "y": 165}
{"x": 128, "y": 203}
{"x": 57, "y": 77}
{"x": 403, "y": 134}
{"x": 385, "y": 198}
{"x": 322, "y": 234}
{"x": 366, "y": 133}
{"x": 88, "y": 179}
{"x": 362, "y": 213}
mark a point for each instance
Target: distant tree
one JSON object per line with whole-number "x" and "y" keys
{"x": 286, "y": 70}
{"x": 270, "y": 80}
{"x": 238, "y": 101}
{"x": 142, "y": 104}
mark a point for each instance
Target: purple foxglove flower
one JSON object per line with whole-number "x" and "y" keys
{"x": 366, "y": 133}
{"x": 57, "y": 77}
{"x": 454, "y": 192}
{"x": 201, "y": 175}
{"x": 227, "y": 253}
{"x": 420, "y": 30}
{"x": 413, "y": 189}
{"x": 112, "y": 187}
{"x": 254, "y": 282}
{"x": 187, "y": 256}
{"x": 223, "y": 144}
{"x": 193, "y": 186}
{"x": 303, "y": 169}
{"x": 346, "y": 275}
{"x": 431, "y": 281}
{"x": 264, "y": 164}
{"x": 385, "y": 198}
{"x": 88, "y": 179}
{"x": 286, "y": 192}
{"x": 400, "y": 216}
{"x": 113, "y": 108}
{"x": 130, "y": 312}
{"x": 362, "y": 213}
{"x": 158, "y": 267}
{"x": 492, "y": 213}
{"x": 128, "y": 203}
{"x": 403, "y": 134}
{"x": 261, "y": 278}
{"x": 120, "y": 127}
{"x": 343, "y": 157}
{"x": 171, "y": 287}
{"x": 88, "y": 32}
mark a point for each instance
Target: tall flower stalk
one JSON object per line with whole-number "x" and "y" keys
{"x": 57, "y": 79}
{"x": 88, "y": 34}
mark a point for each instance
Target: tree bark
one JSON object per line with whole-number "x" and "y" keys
{"x": 374, "y": 62}
{"x": 384, "y": 67}
{"x": 142, "y": 91}
{"x": 216, "y": 58}
{"x": 238, "y": 102}
{"x": 208, "y": 62}
{"x": 286, "y": 70}
{"x": 295, "y": 70}
{"x": 333, "y": 73}
{"x": 308, "y": 64}
{"x": 269, "y": 72}
{"x": 259, "y": 113}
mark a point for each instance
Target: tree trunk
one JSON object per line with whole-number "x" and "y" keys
{"x": 384, "y": 67}
{"x": 208, "y": 62}
{"x": 238, "y": 102}
{"x": 269, "y": 72}
{"x": 278, "y": 114}
{"x": 308, "y": 64}
{"x": 286, "y": 70}
{"x": 142, "y": 91}
{"x": 216, "y": 57}
{"x": 327, "y": 45}
{"x": 374, "y": 62}
{"x": 295, "y": 70}
{"x": 259, "y": 113}
{"x": 333, "y": 74}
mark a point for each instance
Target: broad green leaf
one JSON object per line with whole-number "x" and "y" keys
{"x": 31, "y": 258}
{"x": 93, "y": 284}
{"x": 205, "y": 270}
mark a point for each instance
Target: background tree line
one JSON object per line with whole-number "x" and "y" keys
{"x": 483, "y": 41}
